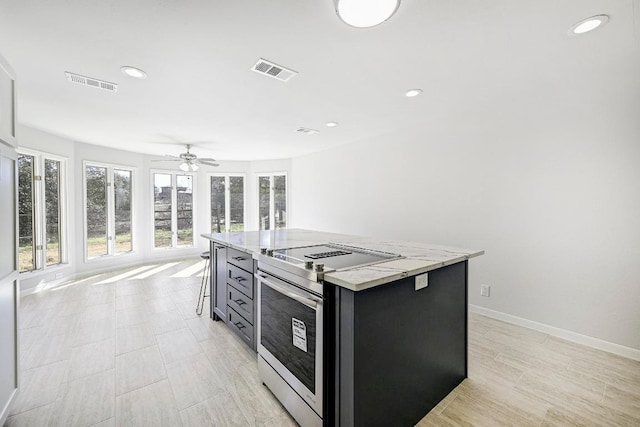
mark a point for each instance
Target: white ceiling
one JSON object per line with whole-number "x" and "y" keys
{"x": 489, "y": 57}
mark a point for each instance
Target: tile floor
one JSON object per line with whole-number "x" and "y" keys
{"x": 127, "y": 349}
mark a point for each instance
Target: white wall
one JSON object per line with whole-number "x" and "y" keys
{"x": 556, "y": 207}
{"x": 77, "y": 153}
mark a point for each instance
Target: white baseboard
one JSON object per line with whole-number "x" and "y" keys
{"x": 588, "y": 341}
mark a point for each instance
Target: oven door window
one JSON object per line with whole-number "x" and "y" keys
{"x": 288, "y": 328}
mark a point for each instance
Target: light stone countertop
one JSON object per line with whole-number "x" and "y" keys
{"x": 418, "y": 257}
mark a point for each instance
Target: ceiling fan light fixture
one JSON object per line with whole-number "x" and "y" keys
{"x": 184, "y": 166}
{"x": 365, "y": 13}
{"x": 194, "y": 167}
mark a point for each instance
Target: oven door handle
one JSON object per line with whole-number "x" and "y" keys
{"x": 302, "y": 300}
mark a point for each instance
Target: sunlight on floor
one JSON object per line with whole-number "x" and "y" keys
{"x": 194, "y": 270}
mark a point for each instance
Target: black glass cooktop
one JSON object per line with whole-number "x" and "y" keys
{"x": 332, "y": 256}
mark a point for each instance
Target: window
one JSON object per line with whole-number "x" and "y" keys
{"x": 40, "y": 208}
{"x": 227, "y": 203}
{"x": 272, "y": 201}
{"x": 108, "y": 209}
{"x": 173, "y": 208}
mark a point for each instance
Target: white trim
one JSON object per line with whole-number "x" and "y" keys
{"x": 575, "y": 337}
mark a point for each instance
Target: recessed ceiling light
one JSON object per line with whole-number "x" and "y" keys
{"x": 365, "y": 13}
{"x": 133, "y": 72}
{"x": 412, "y": 92}
{"x": 332, "y": 124}
{"x": 589, "y": 24}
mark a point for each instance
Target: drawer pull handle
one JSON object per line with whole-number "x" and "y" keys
{"x": 239, "y": 279}
{"x": 239, "y": 325}
{"x": 239, "y": 301}
{"x": 239, "y": 258}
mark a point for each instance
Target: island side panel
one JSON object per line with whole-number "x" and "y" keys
{"x": 218, "y": 281}
{"x": 408, "y": 351}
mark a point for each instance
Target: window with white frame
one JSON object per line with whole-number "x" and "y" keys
{"x": 227, "y": 200}
{"x": 41, "y": 209}
{"x": 173, "y": 209}
{"x": 108, "y": 209}
{"x": 272, "y": 201}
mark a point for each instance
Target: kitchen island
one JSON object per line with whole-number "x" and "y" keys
{"x": 375, "y": 343}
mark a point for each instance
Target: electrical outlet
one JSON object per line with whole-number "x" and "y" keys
{"x": 422, "y": 281}
{"x": 485, "y": 290}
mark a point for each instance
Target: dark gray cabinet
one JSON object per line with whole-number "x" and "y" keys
{"x": 233, "y": 290}
{"x": 391, "y": 363}
{"x": 218, "y": 281}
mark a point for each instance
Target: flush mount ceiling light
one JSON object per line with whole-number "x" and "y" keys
{"x": 133, "y": 72}
{"x": 332, "y": 124}
{"x": 412, "y": 93}
{"x": 365, "y": 13}
{"x": 588, "y": 24}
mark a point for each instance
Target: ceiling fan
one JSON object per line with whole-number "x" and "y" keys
{"x": 189, "y": 160}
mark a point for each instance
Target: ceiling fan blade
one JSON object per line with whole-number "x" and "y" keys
{"x": 167, "y": 160}
{"x": 207, "y": 159}
{"x": 207, "y": 163}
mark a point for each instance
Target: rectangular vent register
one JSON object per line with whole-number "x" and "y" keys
{"x": 270, "y": 69}
{"x": 90, "y": 81}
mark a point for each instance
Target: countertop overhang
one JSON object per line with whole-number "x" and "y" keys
{"x": 417, "y": 258}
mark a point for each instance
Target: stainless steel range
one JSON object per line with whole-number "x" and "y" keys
{"x": 291, "y": 320}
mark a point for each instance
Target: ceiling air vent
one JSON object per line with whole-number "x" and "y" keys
{"x": 90, "y": 81}
{"x": 272, "y": 70}
{"x": 307, "y": 131}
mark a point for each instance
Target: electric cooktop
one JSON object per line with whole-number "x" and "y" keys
{"x": 333, "y": 256}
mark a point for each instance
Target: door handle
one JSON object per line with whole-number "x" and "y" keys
{"x": 301, "y": 299}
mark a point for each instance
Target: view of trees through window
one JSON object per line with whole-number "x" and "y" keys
{"x": 39, "y": 222}
{"x": 26, "y": 247}
{"x": 52, "y": 219}
{"x": 272, "y": 201}
{"x": 96, "y": 182}
{"x": 227, "y": 203}
{"x": 108, "y": 207}
{"x": 172, "y": 210}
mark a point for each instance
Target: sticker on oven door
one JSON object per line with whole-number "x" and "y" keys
{"x": 299, "y": 334}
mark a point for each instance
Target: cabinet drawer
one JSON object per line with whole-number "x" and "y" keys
{"x": 240, "y": 326}
{"x": 240, "y": 259}
{"x": 240, "y": 279}
{"x": 241, "y": 303}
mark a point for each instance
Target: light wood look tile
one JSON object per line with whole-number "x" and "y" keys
{"x": 138, "y": 368}
{"x": 166, "y": 321}
{"x": 194, "y": 380}
{"x": 177, "y": 345}
{"x": 91, "y": 359}
{"x": 86, "y": 401}
{"x": 39, "y": 386}
{"x": 221, "y": 410}
{"x": 134, "y": 337}
{"x": 152, "y": 405}
{"x": 34, "y": 417}
{"x": 132, "y": 352}
{"x": 130, "y": 316}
